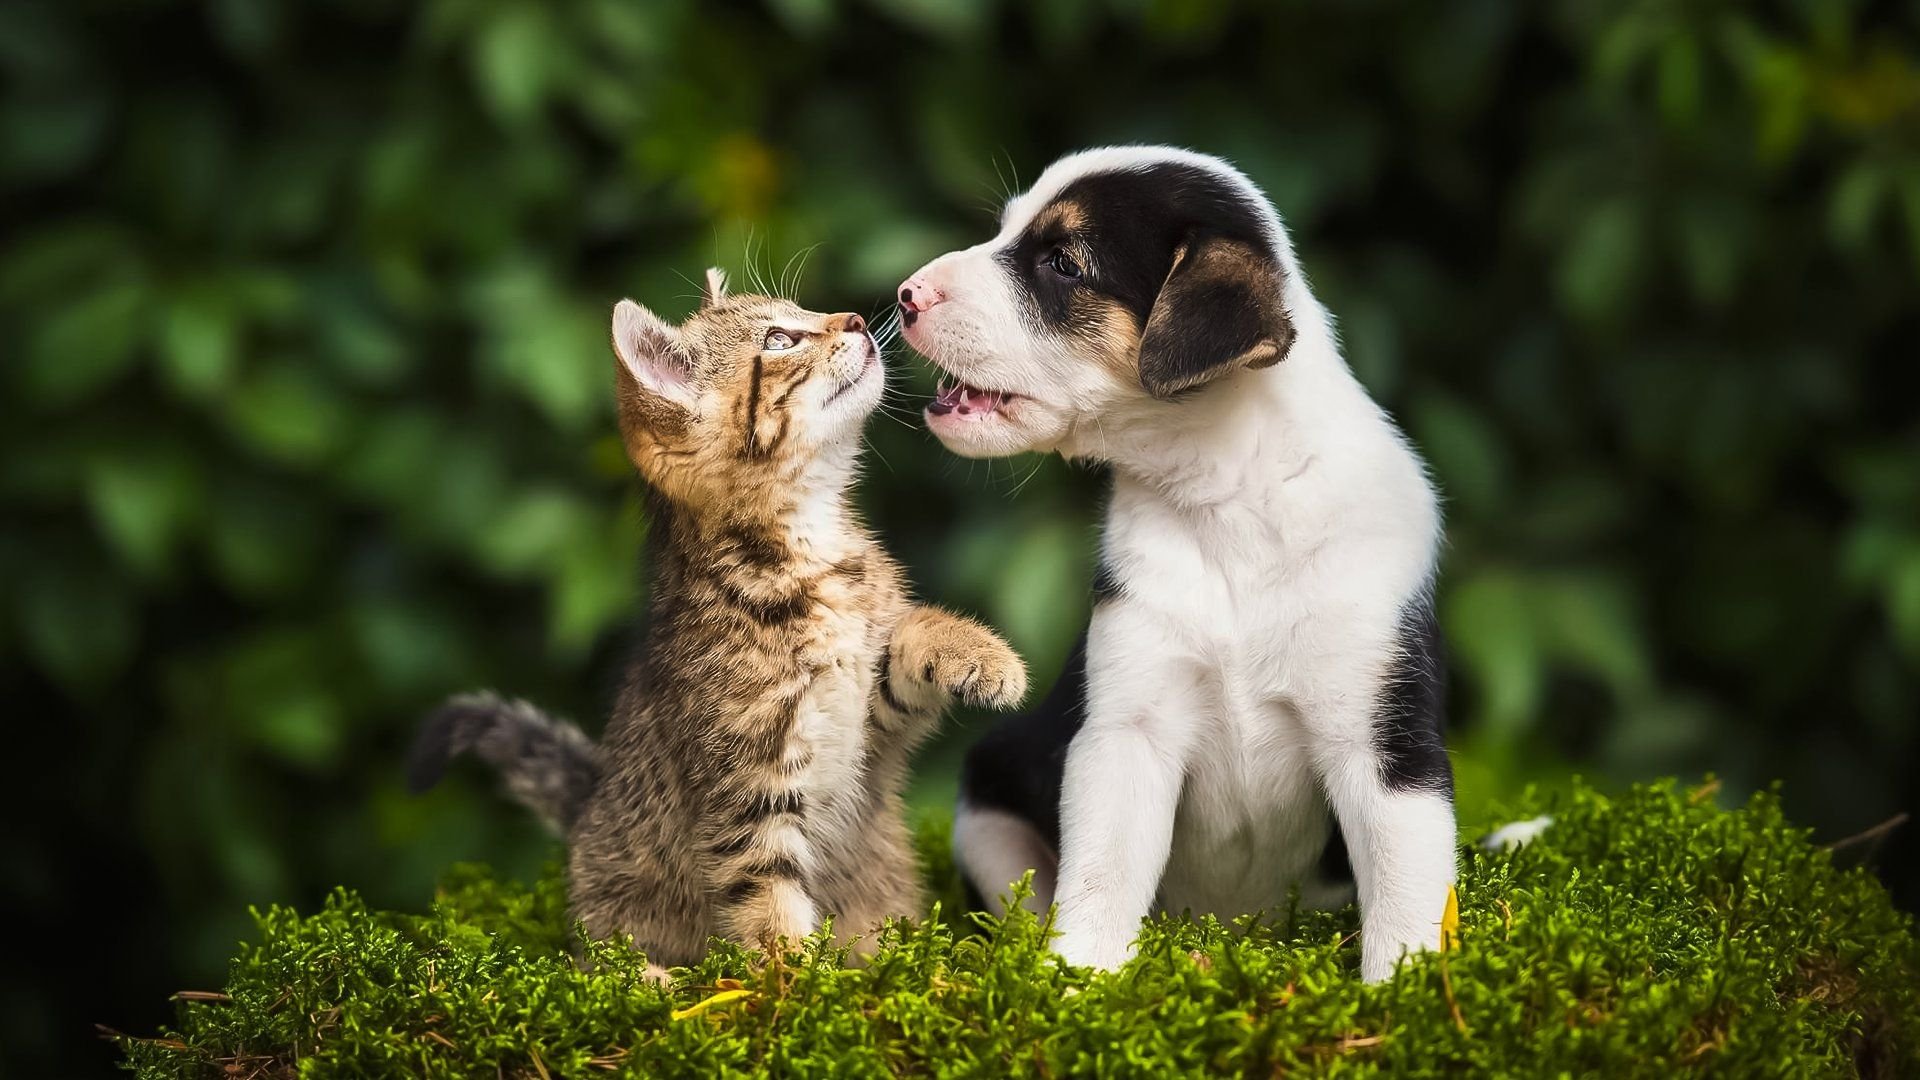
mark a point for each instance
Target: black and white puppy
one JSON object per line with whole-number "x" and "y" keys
{"x": 1262, "y": 661}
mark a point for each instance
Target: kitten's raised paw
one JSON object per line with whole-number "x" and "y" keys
{"x": 961, "y": 658}
{"x": 980, "y": 670}
{"x": 994, "y": 677}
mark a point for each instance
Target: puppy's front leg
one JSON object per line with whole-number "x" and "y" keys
{"x": 1119, "y": 794}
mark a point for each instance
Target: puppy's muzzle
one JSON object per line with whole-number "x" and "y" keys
{"x": 917, "y": 294}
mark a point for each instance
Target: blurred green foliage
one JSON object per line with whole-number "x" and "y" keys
{"x": 305, "y": 402}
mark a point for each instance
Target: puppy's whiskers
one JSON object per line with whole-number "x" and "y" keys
{"x": 1040, "y": 462}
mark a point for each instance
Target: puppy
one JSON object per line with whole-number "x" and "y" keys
{"x": 1262, "y": 662}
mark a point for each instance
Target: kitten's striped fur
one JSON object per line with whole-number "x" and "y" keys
{"x": 749, "y": 781}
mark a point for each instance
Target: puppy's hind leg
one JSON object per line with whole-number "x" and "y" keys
{"x": 995, "y": 848}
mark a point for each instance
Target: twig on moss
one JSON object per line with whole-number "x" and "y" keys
{"x": 1870, "y": 836}
{"x": 1446, "y": 987}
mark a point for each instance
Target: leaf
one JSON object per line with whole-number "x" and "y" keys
{"x": 1910, "y": 202}
{"x": 1588, "y": 622}
{"x": 1465, "y": 451}
{"x": 596, "y": 584}
{"x": 1599, "y": 268}
{"x": 552, "y": 350}
{"x": 143, "y": 503}
{"x": 266, "y": 540}
{"x": 805, "y": 18}
{"x": 364, "y": 347}
{"x": 248, "y": 28}
{"x": 513, "y": 56}
{"x": 1373, "y": 339}
{"x": 1489, "y": 620}
{"x": 80, "y": 622}
{"x": 1713, "y": 245}
{"x": 1680, "y": 79}
{"x": 84, "y": 346}
{"x": 1040, "y": 583}
{"x": 946, "y": 19}
{"x": 41, "y": 267}
{"x": 282, "y": 697}
{"x": 288, "y": 413}
{"x": 1903, "y": 603}
{"x": 534, "y": 530}
{"x": 412, "y": 647}
{"x": 200, "y": 341}
{"x": 1855, "y": 205}
{"x": 49, "y": 140}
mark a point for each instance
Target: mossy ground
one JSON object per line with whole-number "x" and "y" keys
{"x": 1645, "y": 934}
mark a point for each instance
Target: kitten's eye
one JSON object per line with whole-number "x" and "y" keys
{"x": 780, "y": 341}
{"x": 1062, "y": 263}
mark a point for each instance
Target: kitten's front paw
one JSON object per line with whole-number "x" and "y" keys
{"x": 961, "y": 658}
{"x": 984, "y": 671}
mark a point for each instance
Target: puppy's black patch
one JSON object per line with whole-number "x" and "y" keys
{"x": 1180, "y": 251}
{"x": 1127, "y": 225}
{"x": 1410, "y": 715}
{"x": 1336, "y": 866}
{"x": 1106, "y": 586}
{"x": 1019, "y": 766}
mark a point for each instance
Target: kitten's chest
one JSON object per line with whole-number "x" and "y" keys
{"x": 830, "y": 725}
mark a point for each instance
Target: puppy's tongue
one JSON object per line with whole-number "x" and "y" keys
{"x": 964, "y": 399}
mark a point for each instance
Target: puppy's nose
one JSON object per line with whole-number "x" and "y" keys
{"x": 917, "y": 295}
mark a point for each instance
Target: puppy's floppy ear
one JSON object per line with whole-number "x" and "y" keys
{"x": 653, "y": 376}
{"x": 1219, "y": 310}
{"x": 715, "y": 289}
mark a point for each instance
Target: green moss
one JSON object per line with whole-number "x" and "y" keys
{"x": 1644, "y": 934}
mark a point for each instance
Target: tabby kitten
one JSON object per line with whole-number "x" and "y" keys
{"x": 749, "y": 781}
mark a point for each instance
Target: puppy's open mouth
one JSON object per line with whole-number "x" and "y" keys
{"x": 968, "y": 400}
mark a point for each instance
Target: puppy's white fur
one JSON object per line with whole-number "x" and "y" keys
{"x": 1270, "y": 530}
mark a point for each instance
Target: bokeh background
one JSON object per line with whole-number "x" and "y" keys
{"x": 306, "y": 393}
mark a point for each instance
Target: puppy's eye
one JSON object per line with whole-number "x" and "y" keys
{"x": 780, "y": 341}
{"x": 1062, "y": 263}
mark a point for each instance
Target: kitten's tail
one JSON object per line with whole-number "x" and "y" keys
{"x": 549, "y": 764}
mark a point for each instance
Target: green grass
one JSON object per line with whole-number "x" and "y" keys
{"x": 1645, "y": 934}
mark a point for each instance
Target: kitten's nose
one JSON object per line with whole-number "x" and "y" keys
{"x": 848, "y": 323}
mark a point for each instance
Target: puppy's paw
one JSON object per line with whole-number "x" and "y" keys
{"x": 1096, "y": 951}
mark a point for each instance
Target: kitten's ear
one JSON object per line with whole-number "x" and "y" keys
{"x": 716, "y": 289}
{"x": 650, "y": 353}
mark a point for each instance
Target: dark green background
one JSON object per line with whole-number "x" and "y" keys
{"x": 306, "y": 386}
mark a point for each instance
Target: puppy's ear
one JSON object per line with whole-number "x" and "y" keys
{"x": 653, "y": 379}
{"x": 716, "y": 287}
{"x": 1218, "y": 311}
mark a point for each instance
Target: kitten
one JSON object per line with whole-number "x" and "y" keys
{"x": 749, "y": 781}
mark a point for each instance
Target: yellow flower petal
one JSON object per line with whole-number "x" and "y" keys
{"x": 703, "y": 1005}
{"x": 1450, "y": 922}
